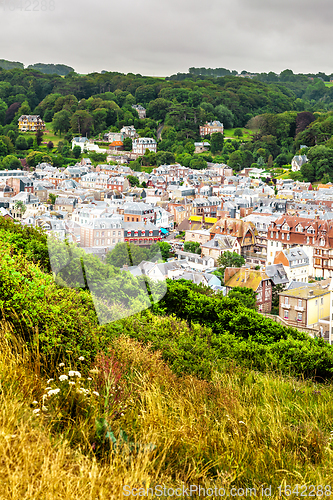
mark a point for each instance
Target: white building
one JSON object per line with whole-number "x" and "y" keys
{"x": 142, "y": 143}
{"x": 295, "y": 262}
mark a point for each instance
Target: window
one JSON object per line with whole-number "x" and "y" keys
{"x": 288, "y": 236}
{"x": 113, "y": 233}
{"x": 286, "y": 300}
{"x": 321, "y": 301}
{"x": 272, "y": 234}
{"x": 282, "y": 236}
{"x": 272, "y": 243}
{"x": 97, "y": 233}
{"x": 286, "y": 314}
{"x": 307, "y": 239}
{"x": 300, "y": 302}
{"x": 299, "y": 316}
{"x": 119, "y": 233}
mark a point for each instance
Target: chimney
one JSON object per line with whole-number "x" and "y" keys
{"x": 229, "y": 273}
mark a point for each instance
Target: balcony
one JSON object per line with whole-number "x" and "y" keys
{"x": 285, "y": 306}
{"x": 299, "y": 308}
{"x": 323, "y": 266}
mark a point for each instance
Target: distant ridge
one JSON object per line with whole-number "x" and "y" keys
{"x": 10, "y": 64}
{"x": 52, "y": 69}
{"x": 48, "y": 69}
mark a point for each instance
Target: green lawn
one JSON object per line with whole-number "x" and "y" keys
{"x": 48, "y": 135}
{"x": 229, "y": 134}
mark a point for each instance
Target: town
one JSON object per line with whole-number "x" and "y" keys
{"x": 282, "y": 232}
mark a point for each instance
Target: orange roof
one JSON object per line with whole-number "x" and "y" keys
{"x": 116, "y": 143}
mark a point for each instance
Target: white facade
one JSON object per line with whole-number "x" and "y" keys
{"x": 140, "y": 145}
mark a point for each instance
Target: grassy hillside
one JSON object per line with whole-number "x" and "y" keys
{"x": 151, "y": 399}
{"x": 241, "y": 429}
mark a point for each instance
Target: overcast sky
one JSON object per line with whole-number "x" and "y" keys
{"x": 163, "y": 37}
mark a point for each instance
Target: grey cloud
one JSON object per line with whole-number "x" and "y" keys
{"x": 167, "y": 36}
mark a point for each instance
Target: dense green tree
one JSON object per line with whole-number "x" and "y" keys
{"x": 158, "y": 109}
{"x": 20, "y": 207}
{"x": 192, "y": 246}
{"x": 34, "y": 158}
{"x": 224, "y": 115}
{"x": 198, "y": 163}
{"x": 52, "y": 198}
{"x": 10, "y": 162}
{"x": 134, "y": 181}
{"x": 229, "y": 259}
{"x": 127, "y": 144}
{"x": 21, "y": 143}
{"x": 246, "y": 296}
{"x": 238, "y": 132}
{"x": 3, "y": 109}
{"x": 308, "y": 172}
{"x": 3, "y": 149}
{"x": 39, "y": 136}
{"x": 77, "y": 152}
{"x": 236, "y": 160}
{"x": 81, "y": 122}
{"x": 216, "y": 142}
{"x": 61, "y": 121}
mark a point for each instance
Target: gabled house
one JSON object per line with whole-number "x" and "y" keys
{"x": 295, "y": 262}
{"x": 245, "y": 232}
{"x": 258, "y": 281}
{"x": 221, "y": 243}
{"x": 277, "y": 273}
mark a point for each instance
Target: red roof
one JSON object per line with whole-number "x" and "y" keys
{"x": 116, "y": 143}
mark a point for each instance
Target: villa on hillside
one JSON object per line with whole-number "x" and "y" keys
{"x": 30, "y": 123}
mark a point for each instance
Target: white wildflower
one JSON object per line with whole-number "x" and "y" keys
{"x": 89, "y": 378}
{"x": 61, "y": 365}
{"x": 71, "y": 383}
{"x": 36, "y": 411}
{"x": 81, "y": 358}
{"x": 35, "y": 402}
{"x": 71, "y": 373}
{"x": 44, "y": 408}
{"x": 241, "y": 422}
{"x": 121, "y": 414}
{"x": 53, "y": 391}
{"x": 48, "y": 388}
{"x": 63, "y": 377}
{"x": 50, "y": 380}
{"x": 78, "y": 374}
{"x": 96, "y": 393}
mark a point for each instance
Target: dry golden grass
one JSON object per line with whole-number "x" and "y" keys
{"x": 243, "y": 428}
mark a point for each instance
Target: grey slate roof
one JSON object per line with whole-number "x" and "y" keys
{"x": 277, "y": 274}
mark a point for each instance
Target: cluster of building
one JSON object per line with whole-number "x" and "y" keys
{"x": 284, "y": 231}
